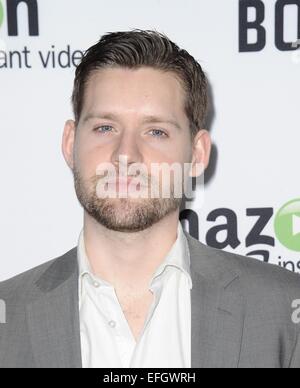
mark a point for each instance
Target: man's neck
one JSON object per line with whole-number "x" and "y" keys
{"x": 129, "y": 260}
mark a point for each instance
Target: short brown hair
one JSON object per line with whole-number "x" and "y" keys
{"x": 138, "y": 48}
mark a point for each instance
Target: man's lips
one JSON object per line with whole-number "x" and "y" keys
{"x": 121, "y": 180}
{"x": 124, "y": 182}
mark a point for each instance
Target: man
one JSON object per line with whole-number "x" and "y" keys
{"x": 139, "y": 291}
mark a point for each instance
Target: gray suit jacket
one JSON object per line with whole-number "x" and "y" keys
{"x": 241, "y": 313}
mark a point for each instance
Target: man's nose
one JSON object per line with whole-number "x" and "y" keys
{"x": 128, "y": 148}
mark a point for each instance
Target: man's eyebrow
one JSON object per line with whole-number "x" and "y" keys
{"x": 147, "y": 119}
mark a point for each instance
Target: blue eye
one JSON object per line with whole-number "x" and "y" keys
{"x": 98, "y": 129}
{"x": 158, "y": 131}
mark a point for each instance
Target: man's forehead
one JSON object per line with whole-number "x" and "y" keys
{"x": 153, "y": 103}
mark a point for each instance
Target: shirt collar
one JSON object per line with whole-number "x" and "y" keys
{"x": 178, "y": 257}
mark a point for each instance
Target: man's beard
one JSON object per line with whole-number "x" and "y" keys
{"x": 127, "y": 215}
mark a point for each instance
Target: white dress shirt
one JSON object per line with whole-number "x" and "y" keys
{"x": 165, "y": 341}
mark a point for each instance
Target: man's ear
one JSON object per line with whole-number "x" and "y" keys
{"x": 201, "y": 153}
{"x": 68, "y": 140}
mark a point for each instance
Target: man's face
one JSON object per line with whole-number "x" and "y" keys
{"x": 115, "y": 121}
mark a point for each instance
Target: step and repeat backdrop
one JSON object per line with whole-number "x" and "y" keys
{"x": 250, "y": 51}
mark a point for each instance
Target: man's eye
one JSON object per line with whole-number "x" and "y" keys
{"x": 159, "y": 133}
{"x": 105, "y": 127}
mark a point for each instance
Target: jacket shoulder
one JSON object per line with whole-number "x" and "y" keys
{"x": 20, "y": 287}
{"x": 254, "y": 274}
{"x": 265, "y": 275}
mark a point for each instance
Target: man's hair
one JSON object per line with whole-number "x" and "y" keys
{"x": 146, "y": 48}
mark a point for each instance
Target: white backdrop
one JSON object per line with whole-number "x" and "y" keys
{"x": 255, "y": 127}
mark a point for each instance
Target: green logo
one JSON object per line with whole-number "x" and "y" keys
{"x": 1, "y": 14}
{"x": 287, "y": 225}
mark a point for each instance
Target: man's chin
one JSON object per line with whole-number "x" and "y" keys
{"x": 126, "y": 228}
{"x": 122, "y": 223}
{"x": 126, "y": 215}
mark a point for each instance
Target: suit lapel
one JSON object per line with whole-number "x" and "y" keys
{"x": 53, "y": 318}
{"x": 216, "y": 309}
